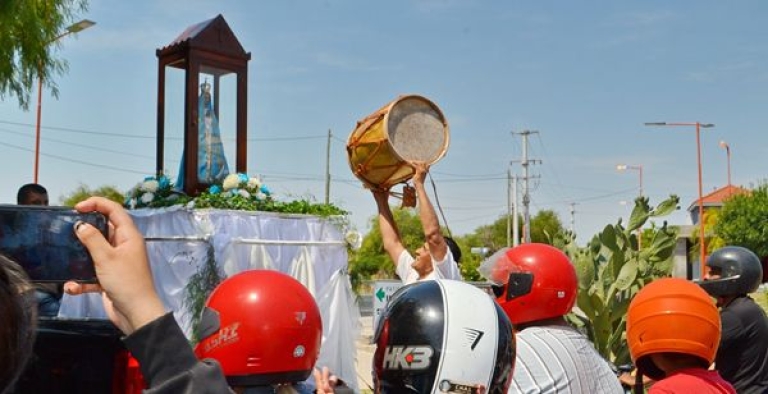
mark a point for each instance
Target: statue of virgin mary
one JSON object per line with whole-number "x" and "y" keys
{"x": 211, "y": 163}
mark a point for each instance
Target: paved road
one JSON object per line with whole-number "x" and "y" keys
{"x": 365, "y": 351}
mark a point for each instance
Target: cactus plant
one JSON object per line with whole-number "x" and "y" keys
{"x": 612, "y": 269}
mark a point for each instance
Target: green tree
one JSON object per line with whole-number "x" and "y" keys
{"x": 544, "y": 225}
{"x": 469, "y": 261}
{"x": 742, "y": 221}
{"x": 28, "y": 29}
{"x": 492, "y": 236}
{"x": 83, "y": 192}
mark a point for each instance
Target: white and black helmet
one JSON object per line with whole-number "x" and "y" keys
{"x": 740, "y": 272}
{"x": 443, "y": 336}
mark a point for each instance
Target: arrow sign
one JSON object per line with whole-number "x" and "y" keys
{"x": 381, "y": 294}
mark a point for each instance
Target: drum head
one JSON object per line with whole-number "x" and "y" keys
{"x": 417, "y": 130}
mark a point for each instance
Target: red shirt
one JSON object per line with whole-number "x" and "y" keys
{"x": 693, "y": 380}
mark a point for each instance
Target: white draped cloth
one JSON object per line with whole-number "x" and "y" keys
{"x": 309, "y": 248}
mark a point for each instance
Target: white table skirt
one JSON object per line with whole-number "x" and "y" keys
{"x": 311, "y": 249}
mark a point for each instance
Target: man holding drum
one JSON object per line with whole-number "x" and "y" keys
{"x": 435, "y": 259}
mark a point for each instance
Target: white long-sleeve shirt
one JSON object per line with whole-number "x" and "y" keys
{"x": 445, "y": 269}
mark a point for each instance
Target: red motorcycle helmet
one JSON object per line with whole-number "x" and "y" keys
{"x": 263, "y": 327}
{"x": 532, "y": 281}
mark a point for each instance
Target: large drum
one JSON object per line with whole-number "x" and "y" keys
{"x": 409, "y": 128}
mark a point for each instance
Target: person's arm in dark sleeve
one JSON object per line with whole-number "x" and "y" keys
{"x": 133, "y": 305}
{"x": 168, "y": 363}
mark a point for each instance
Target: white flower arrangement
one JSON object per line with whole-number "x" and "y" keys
{"x": 236, "y": 191}
{"x": 152, "y": 192}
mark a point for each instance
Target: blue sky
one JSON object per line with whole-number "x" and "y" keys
{"x": 586, "y": 75}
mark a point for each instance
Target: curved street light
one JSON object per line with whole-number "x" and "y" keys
{"x": 639, "y": 168}
{"x": 727, "y": 147}
{"x": 71, "y": 29}
{"x": 699, "y": 126}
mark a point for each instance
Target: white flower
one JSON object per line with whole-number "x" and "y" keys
{"x": 230, "y": 182}
{"x": 245, "y": 193}
{"x": 132, "y": 203}
{"x": 150, "y": 186}
{"x": 254, "y": 183}
{"x": 147, "y": 197}
{"x": 261, "y": 196}
{"x": 354, "y": 239}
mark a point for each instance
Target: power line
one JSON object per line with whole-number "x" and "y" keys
{"x": 552, "y": 169}
{"x": 496, "y": 175}
{"x": 71, "y": 160}
{"x": 97, "y": 148}
{"x": 123, "y": 135}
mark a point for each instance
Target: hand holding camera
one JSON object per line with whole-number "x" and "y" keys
{"x": 121, "y": 266}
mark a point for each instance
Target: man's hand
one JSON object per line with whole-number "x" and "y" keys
{"x": 420, "y": 168}
{"x": 380, "y": 195}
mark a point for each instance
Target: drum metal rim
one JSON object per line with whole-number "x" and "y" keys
{"x": 432, "y": 105}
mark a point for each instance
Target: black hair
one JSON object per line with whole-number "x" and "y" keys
{"x": 19, "y": 317}
{"x": 26, "y": 190}
{"x": 454, "y": 248}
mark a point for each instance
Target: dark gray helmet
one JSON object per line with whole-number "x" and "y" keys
{"x": 740, "y": 272}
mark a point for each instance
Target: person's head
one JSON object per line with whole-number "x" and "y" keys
{"x": 454, "y": 248}
{"x": 263, "y": 327}
{"x": 532, "y": 282}
{"x": 733, "y": 271}
{"x": 32, "y": 194}
{"x": 440, "y": 334}
{"x": 422, "y": 260}
{"x": 672, "y": 323}
{"x": 19, "y": 319}
{"x": 423, "y": 256}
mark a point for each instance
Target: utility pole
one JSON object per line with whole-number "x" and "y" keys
{"x": 525, "y": 162}
{"x": 512, "y": 232}
{"x": 509, "y": 207}
{"x": 515, "y": 222}
{"x": 328, "y": 169}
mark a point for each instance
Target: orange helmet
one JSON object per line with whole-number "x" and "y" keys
{"x": 263, "y": 327}
{"x": 533, "y": 281}
{"x": 671, "y": 315}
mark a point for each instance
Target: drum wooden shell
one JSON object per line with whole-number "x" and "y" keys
{"x": 410, "y": 127}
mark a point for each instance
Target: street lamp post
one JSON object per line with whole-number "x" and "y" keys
{"x": 639, "y": 168}
{"x": 75, "y": 28}
{"x": 699, "y": 126}
{"x": 725, "y": 145}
